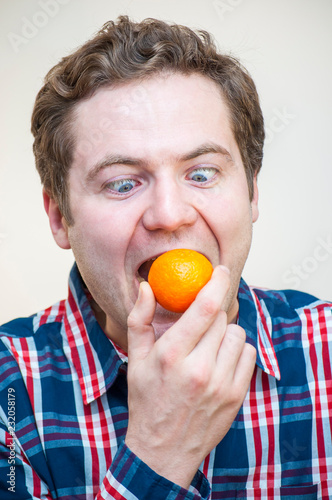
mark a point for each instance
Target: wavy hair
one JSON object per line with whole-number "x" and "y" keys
{"x": 124, "y": 51}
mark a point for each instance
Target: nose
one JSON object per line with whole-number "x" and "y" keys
{"x": 170, "y": 207}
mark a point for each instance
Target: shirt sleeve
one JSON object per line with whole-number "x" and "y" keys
{"x": 129, "y": 478}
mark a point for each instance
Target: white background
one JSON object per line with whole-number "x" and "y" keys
{"x": 286, "y": 45}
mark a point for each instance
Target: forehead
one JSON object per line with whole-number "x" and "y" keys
{"x": 160, "y": 115}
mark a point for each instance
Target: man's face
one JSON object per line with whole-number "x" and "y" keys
{"x": 156, "y": 167}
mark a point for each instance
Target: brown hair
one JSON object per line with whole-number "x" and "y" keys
{"x": 123, "y": 51}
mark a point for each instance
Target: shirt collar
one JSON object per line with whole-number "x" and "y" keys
{"x": 96, "y": 359}
{"x": 255, "y": 318}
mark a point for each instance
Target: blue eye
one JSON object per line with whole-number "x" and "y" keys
{"x": 202, "y": 174}
{"x": 122, "y": 185}
{"x": 199, "y": 178}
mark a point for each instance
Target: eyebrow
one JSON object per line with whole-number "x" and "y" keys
{"x": 204, "y": 149}
{"x": 110, "y": 160}
{"x": 207, "y": 148}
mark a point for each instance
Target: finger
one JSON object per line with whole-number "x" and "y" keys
{"x": 245, "y": 367}
{"x": 141, "y": 335}
{"x": 230, "y": 351}
{"x": 209, "y": 344}
{"x": 193, "y": 324}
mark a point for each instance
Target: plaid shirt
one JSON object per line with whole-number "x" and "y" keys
{"x": 63, "y": 408}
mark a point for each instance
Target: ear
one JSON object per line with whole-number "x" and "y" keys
{"x": 58, "y": 224}
{"x": 254, "y": 202}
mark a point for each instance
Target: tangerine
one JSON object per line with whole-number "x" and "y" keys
{"x": 177, "y": 276}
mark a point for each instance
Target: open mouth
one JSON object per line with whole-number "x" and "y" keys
{"x": 143, "y": 270}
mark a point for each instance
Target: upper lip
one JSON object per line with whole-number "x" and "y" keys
{"x": 153, "y": 257}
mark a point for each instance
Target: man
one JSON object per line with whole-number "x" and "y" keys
{"x": 147, "y": 139}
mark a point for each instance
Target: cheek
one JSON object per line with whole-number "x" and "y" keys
{"x": 229, "y": 216}
{"x": 100, "y": 221}
{"x": 102, "y": 237}
{"x": 99, "y": 235}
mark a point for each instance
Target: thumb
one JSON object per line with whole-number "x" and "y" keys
{"x": 141, "y": 335}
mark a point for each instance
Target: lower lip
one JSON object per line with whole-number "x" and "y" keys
{"x": 164, "y": 317}
{"x": 138, "y": 280}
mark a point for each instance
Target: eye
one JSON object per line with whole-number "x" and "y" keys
{"x": 122, "y": 186}
{"x": 202, "y": 174}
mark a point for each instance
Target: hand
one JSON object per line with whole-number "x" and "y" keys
{"x": 186, "y": 388}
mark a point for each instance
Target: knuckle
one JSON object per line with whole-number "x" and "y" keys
{"x": 227, "y": 396}
{"x": 226, "y": 280}
{"x": 197, "y": 385}
{"x": 240, "y": 390}
{"x": 132, "y": 320}
{"x": 232, "y": 395}
{"x": 235, "y": 398}
{"x": 199, "y": 380}
{"x": 209, "y": 307}
{"x": 222, "y": 316}
{"x": 250, "y": 352}
{"x": 236, "y": 334}
{"x": 167, "y": 358}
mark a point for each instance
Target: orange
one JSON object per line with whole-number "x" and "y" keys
{"x": 177, "y": 276}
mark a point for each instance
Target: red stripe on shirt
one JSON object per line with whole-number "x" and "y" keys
{"x": 326, "y": 360}
{"x": 87, "y": 347}
{"x": 256, "y": 432}
{"x": 44, "y": 317}
{"x": 35, "y": 479}
{"x": 115, "y": 495}
{"x": 206, "y": 465}
{"x": 271, "y": 437}
{"x": 105, "y": 434}
{"x": 27, "y": 364}
{"x": 317, "y": 400}
{"x": 93, "y": 445}
{"x": 74, "y": 355}
{"x": 267, "y": 333}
